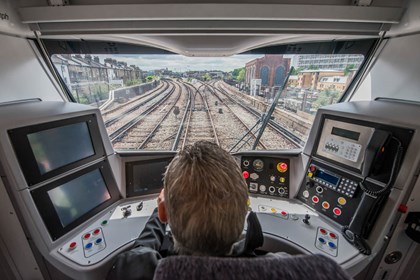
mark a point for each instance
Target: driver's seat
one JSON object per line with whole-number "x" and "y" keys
{"x": 271, "y": 266}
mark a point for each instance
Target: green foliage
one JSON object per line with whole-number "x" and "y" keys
{"x": 313, "y": 67}
{"x": 133, "y": 82}
{"x": 326, "y": 97}
{"x": 238, "y": 74}
{"x": 150, "y": 78}
{"x": 347, "y": 69}
{"x": 297, "y": 70}
{"x": 206, "y": 77}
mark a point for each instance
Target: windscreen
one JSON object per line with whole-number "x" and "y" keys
{"x": 55, "y": 147}
{"x": 77, "y": 197}
{"x": 167, "y": 101}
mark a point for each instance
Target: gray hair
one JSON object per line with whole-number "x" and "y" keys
{"x": 206, "y": 200}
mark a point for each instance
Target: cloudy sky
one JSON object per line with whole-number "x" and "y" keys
{"x": 181, "y": 63}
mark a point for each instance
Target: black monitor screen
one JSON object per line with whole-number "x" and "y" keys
{"x": 145, "y": 177}
{"x": 45, "y": 150}
{"x": 69, "y": 201}
{"x": 57, "y": 147}
{"x": 77, "y": 197}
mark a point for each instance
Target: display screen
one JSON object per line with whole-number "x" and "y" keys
{"x": 59, "y": 146}
{"x": 345, "y": 133}
{"x": 327, "y": 177}
{"x": 145, "y": 177}
{"x": 78, "y": 196}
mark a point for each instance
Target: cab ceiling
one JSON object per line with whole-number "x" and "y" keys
{"x": 210, "y": 28}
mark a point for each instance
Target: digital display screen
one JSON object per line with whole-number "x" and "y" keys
{"x": 56, "y": 147}
{"x": 327, "y": 177}
{"x": 148, "y": 177}
{"x": 345, "y": 133}
{"x": 78, "y": 196}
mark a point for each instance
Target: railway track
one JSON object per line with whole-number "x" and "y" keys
{"x": 295, "y": 140}
{"x": 199, "y": 123}
{"x": 126, "y": 128}
{"x": 116, "y": 114}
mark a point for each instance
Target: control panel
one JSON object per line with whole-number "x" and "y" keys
{"x": 327, "y": 241}
{"x": 331, "y": 192}
{"x": 266, "y": 175}
{"x": 108, "y": 233}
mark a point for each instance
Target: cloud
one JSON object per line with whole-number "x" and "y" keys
{"x": 181, "y": 63}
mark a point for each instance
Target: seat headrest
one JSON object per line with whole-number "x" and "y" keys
{"x": 271, "y": 266}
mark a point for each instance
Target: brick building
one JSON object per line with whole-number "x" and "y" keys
{"x": 270, "y": 69}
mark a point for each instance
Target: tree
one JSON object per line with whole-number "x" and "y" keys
{"x": 297, "y": 70}
{"x": 348, "y": 68}
{"x": 241, "y": 75}
{"x": 313, "y": 67}
{"x": 326, "y": 97}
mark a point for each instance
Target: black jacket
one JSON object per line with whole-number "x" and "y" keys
{"x": 153, "y": 244}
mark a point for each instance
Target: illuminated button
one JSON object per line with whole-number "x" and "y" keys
{"x": 272, "y": 178}
{"x": 333, "y": 236}
{"x": 322, "y": 240}
{"x": 284, "y": 213}
{"x": 323, "y": 231}
{"x": 98, "y": 241}
{"x": 305, "y": 194}
{"x": 282, "y": 179}
{"x": 332, "y": 245}
{"x": 273, "y": 210}
{"x": 86, "y": 236}
{"x": 341, "y": 200}
{"x": 315, "y": 199}
{"x": 282, "y": 167}
{"x": 337, "y": 211}
{"x": 310, "y": 174}
{"x": 104, "y": 222}
{"x": 325, "y": 205}
{"x": 96, "y": 231}
{"x": 312, "y": 168}
{"x": 281, "y": 191}
{"x": 72, "y": 245}
{"x": 245, "y": 174}
{"x": 88, "y": 246}
{"x": 263, "y": 188}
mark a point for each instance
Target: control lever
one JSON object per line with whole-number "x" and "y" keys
{"x": 126, "y": 211}
{"x": 306, "y": 219}
{"x": 140, "y": 206}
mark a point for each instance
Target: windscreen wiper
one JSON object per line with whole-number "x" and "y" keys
{"x": 266, "y": 118}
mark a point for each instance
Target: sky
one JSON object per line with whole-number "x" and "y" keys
{"x": 179, "y": 63}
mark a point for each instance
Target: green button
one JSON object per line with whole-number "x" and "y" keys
{"x": 104, "y": 222}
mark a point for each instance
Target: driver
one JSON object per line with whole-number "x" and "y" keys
{"x": 204, "y": 201}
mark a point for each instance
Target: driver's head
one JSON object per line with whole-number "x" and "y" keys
{"x": 205, "y": 200}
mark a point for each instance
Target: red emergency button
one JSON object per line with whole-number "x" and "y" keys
{"x": 323, "y": 231}
{"x": 403, "y": 208}
{"x": 96, "y": 231}
{"x": 86, "y": 236}
{"x": 72, "y": 245}
{"x": 315, "y": 199}
{"x": 245, "y": 174}
{"x": 312, "y": 168}
{"x": 337, "y": 211}
{"x": 333, "y": 236}
{"x": 284, "y": 213}
{"x": 282, "y": 167}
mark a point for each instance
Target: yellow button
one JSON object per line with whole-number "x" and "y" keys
{"x": 342, "y": 200}
{"x": 248, "y": 202}
{"x": 273, "y": 210}
{"x": 310, "y": 174}
{"x": 282, "y": 179}
{"x": 282, "y": 167}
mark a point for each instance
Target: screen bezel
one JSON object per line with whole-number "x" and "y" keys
{"x": 129, "y": 173}
{"x": 49, "y": 214}
{"x": 26, "y": 157}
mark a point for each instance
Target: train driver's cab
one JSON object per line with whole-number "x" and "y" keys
{"x": 320, "y": 114}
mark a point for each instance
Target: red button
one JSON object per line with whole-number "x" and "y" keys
{"x": 282, "y": 167}
{"x": 96, "y": 231}
{"x": 332, "y": 235}
{"x": 86, "y": 236}
{"x": 323, "y": 231}
{"x": 337, "y": 211}
{"x": 312, "y": 168}
{"x": 72, "y": 245}
{"x": 315, "y": 199}
{"x": 403, "y": 208}
{"x": 284, "y": 213}
{"x": 245, "y": 174}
